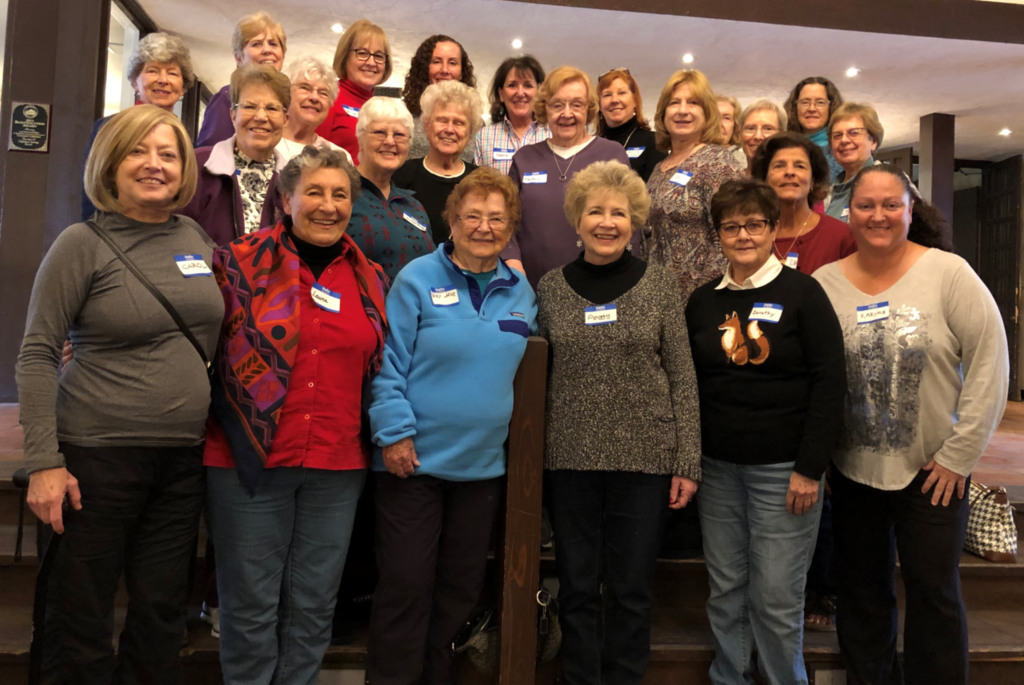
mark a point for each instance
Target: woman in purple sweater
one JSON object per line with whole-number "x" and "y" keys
{"x": 567, "y": 104}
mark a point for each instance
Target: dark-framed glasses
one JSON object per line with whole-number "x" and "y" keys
{"x": 732, "y": 229}
{"x": 362, "y": 54}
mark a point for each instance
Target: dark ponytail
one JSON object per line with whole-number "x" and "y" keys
{"x": 928, "y": 227}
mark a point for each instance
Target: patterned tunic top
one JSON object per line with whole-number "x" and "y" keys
{"x": 253, "y": 181}
{"x": 679, "y": 234}
{"x": 390, "y": 231}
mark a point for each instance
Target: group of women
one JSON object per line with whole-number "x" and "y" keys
{"x": 365, "y": 282}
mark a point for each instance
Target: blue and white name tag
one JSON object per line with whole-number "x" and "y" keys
{"x": 445, "y": 296}
{"x": 765, "y": 311}
{"x": 681, "y": 178}
{"x": 634, "y": 152}
{"x": 605, "y": 313}
{"x": 412, "y": 220}
{"x": 192, "y": 265}
{"x": 351, "y": 111}
{"x": 846, "y": 212}
{"x": 872, "y": 312}
{"x": 503, "y": 154}
{"x": 325, "y": 298}
{"x": 535, "y": 177}
{"x": 791, "y": 259}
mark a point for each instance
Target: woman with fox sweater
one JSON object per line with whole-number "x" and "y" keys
{"x": 770, "y": 363}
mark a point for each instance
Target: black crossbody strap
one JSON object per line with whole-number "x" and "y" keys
{"x": 152, "y": 289}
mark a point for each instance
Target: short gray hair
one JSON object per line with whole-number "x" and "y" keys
{"x": 763, "y": 105}
{"x": 309, "y": 67}
{"x": 162, "y": 48}
{"x": 312, "y": 158}
{"x": 453, "y": 93}
{"x": 380, "y": 108}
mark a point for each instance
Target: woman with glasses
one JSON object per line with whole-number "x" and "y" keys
{"x": 362, "y": 62}
{"x": 314, "y": 90}
{"x": 237, "y": 191}
{"x": 459, "y": 321}
{"x": 567, "y": 105}
{"x": 770, "y": 363}
{"x": 809, "y": 108}
{"x": 758, "y": 122}
{"x": 855, "y": 133}
{"x": 389, "y": 225}
{"x": 622, "y": 119}
{"x": 513, "y": 124}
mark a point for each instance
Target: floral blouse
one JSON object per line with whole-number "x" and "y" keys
{"x": 253, "y": 181}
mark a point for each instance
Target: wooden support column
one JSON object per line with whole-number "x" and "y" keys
{"x": 936, "y": 171}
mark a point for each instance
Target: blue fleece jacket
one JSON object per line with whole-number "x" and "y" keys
{"x": 450, "y": 358}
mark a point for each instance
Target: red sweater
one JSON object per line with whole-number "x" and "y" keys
{"x": 340, "y": 125}
{"x": 827, "y": 242}
{"x": 321, "y": 421}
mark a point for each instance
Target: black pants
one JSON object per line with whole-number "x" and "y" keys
{"x": 821, "y": 575}
{"x": 140, "y": 517}
{"x": 870, "y": 526}
{"x": 607, "y": 530}
{"x": 432, "y": 540}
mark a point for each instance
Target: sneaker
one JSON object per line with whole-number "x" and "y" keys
{"x": 211, "y": 616}
{"x": 547, "y": 535}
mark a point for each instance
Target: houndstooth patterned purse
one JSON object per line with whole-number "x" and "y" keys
{"x": 991, "y": 531}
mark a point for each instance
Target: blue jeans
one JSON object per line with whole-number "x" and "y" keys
{"x": 757, "y": 555}
{"x": 280, "y": 555}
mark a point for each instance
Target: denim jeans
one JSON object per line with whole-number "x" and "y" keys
{"x": 607, "y": 529}
{"x": 279, "y": 559}
{"x": 757, "y": 555}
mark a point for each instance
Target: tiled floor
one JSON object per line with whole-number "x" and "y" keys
{"x": 1001, "y": 464}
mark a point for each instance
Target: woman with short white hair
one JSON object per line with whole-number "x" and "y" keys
{"x": 452, "y": 115}
{"x": 314, "y": 90}
{"x": 758, "y": 122}
{"x": 389, "y": 224}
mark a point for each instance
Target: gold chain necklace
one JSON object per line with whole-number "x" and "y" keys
{"x": 799, "y": 233}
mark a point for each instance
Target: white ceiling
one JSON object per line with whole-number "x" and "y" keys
{"x": 903, "y": 77}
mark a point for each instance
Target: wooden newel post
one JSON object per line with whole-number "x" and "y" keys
{"x": 520, "y": 553}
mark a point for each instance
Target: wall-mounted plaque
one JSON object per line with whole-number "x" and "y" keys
{"x": 30, "y": 127}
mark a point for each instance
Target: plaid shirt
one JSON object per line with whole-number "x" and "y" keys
{"x": 501, "y": 138}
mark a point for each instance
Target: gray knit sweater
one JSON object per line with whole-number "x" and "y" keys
{"x": 621, "y": 396}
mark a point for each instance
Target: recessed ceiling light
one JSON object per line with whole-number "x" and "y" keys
{"x": 687, "y": 58}
{"x": 1005, "y": 132}
{"x": 852, "y": 71}
{"x": 516, "y": 43}
{"x": 337, "y": 28}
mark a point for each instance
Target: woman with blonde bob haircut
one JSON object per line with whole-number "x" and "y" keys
{"x": 119, "y": 432}
{"x": 622, "y": 119}
{"x": 679, "y": 234}
{"x": 622, "y": 431}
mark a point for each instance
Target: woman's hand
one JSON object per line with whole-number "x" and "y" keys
{"x": 66, "y": 355}
{"x": 400, "y": 458}
{"x": 46, "y": 490}
{"x": 945, "y": 481}
{"x": 682, "y": 491}
{"x": 802, "y": 495}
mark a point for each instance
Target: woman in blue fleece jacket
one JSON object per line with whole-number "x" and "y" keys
{"x": 441, "y": 407}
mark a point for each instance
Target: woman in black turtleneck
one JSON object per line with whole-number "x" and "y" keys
{"x": 622, "y": 431}
{"x": 622, "y": 119}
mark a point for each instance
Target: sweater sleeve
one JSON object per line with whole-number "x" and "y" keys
{"x": 973, "y": 317}
{"x": 61, "y": 287}
{"x": 217, "y": 124}
{"x": 715, "y": 264}
{"x": 677, "y": 361}
{"x": 511, "y": 250}
{"x": 824, "y": 351}
{"x": 391, "y": 414}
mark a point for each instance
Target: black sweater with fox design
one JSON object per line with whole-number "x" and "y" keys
{"x": 771, "y": 372}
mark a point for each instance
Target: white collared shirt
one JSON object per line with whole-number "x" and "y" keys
{"x": 763, "y": 276}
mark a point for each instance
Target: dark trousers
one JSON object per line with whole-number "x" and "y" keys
{"x": 871, "y": 526}
{"x": 140, "y": 517}
{"x": 821, "y": 580}
{"x": 607, "y": 530}
{"x": 432, "y": 541}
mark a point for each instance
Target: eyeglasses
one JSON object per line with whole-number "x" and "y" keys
{"x": 765, "y": 131}
{"x": 560, "y": 105}
{"x": 807, "y": 104}
{"x": 624, "y": 70}
{"x": 752, "y": 228}
{"x": 851, "y": 133}
{"x": 473, "y": 222}
{"x": 307, "y": 89}
{"x": 380, "y": 135}
{"x": 272, "y": 109}
{"x": 362, "y": 54}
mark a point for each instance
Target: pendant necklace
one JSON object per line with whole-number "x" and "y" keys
{"x": 792, "y": 244}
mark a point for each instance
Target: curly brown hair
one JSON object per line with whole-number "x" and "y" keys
{"x": 418, "y": 78}
{"x": 835, "y": 100}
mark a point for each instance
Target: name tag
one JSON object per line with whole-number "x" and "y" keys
{"x": 192, "y": 265}
{"x": 681, "y": 178}
{"x": 791, "y": 259}
{"x": 445, "y": 296}
{"x": 634, "y": 152}
{"x": 502, "y": 155}
{"x": 846, "y": 212}
{"x": 765, "y": 311}
{"x": 412, "y": 220}
{"x": 535, "y": 177}
{"x": 351, "y": 111}
{"x": 872, "y": 312}
{"x": 326, "y": 299}
{"x": 605, "y": 313}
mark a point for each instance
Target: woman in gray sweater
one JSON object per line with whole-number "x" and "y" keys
{"x": 623, "y": 434}
{"x": 114, "y": 443}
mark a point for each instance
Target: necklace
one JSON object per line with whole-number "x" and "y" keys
{"x": 799, "y": 233}
{"x": 626, "y": 144}
{"x": 563, "y": 175}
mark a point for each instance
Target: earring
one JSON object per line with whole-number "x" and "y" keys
{"x": 629, "y": 246}
{"x": 579, "y": 243}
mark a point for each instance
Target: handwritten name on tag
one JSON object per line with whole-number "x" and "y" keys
{"x": 445, "y": 296}
{"x": 502, "y": 154}
{"x": 412, "y": 220}
{"x": 634, "y": 152}
{"x": 765, "y": 311}
{"x": 325, "y": 298}
{"x": 872, "y": 312}
{"x": 605, "y": 313}
{"x": 192, "y": 265}
{"x": 535, "y": 177}
{"x": 351, "y": 111}
{"x": 791, "y": 259}
{"x": 681, "y": 178}
{"x": 845, "y": 213}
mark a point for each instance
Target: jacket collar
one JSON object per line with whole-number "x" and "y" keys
{"x": 222, "y": 159}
